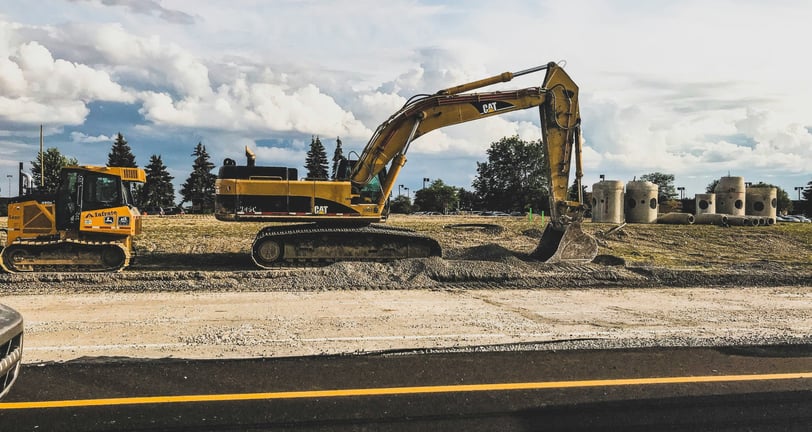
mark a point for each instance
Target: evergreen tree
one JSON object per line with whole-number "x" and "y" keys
{"x": 338, "y": 156}
{"x": 199, "y": 187}
{"x": 51, "y": 162}
{"x": 158, "y": 190}
{"x": 807, "y": 192}
{"x": 316, "y": 162}
{"x": 121, "y": 155}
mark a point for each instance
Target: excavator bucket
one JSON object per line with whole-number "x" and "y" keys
{"x": 565, "y": 244}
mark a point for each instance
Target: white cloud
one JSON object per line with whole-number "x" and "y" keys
{"x": 79, "y": 137}
{"x": 36, "y": 88}
{"x": 256, "y": 108}
{"x": 281, "y": 156}
{"x": 654, "y": 96}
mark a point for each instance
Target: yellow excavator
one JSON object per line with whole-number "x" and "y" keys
{"x": 341, "y": 216}
{"x": 87, "y": 226}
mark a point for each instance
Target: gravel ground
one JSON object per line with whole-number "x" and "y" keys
{"x": 483, "y": 294}
{"x": 262, "y": 324}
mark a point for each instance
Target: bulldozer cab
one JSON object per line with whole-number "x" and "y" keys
{"x": 81, "y": 190}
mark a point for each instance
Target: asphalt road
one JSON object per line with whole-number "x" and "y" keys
{"x": 754, "y": 388}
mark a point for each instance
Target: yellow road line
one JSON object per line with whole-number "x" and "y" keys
{"x": 388, "y": 391}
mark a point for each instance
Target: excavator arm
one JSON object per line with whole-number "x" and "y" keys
{"x": 556, "y": 98}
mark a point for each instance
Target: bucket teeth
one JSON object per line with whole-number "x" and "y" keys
{"x": 565, "y": 244}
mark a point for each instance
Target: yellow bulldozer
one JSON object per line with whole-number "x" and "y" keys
{"x": 88, "y": 225}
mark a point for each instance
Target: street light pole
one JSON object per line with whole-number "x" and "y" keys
{"x": 799, "y": 189}
{"x": 425, "y": 179}
{"x": 407, "y": 193}
{"x": 9, "y": 184}
{"x": 400, "y": 190}
{"x": 681, "y": 192}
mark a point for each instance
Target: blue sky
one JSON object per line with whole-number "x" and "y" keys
{"x": 698, "y": 89}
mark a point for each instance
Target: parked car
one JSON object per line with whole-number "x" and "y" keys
{"x": 792, "y": 218}
{"x": 11, "y": 347}
{"x": 174, "y": 211}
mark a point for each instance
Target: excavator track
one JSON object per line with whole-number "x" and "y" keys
{"x": 64, "y": 256}
{"x": 311, "y": 243}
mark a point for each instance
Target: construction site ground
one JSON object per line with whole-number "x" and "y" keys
{"x": 192, "y": 291}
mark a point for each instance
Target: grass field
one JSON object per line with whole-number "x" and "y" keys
{"x": 676, "y": 246}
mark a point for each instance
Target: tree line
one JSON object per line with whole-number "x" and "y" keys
{"x": 513, "y": 179}
{"x": 157, "y": 191}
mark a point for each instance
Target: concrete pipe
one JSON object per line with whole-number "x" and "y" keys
{"x": 762, "y": 202}
{"x": 710, "y": 219}
{"x": 607, "y": 202}
{"x": 676, "y": 218}
{"x": 741, "y": 221}
{"x": 705, "y": 203}
{"x": 730, "y": 196}
{"x": 641, "y": 202}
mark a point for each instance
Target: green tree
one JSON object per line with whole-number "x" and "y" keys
{"x": 572, "y": 192}
{"x": 400, "y": 204}
{"x": 469, "y": 200}
{"x": 514, "y": 177}
{"x": 158, "y": 190}
{"x": 199, "y": 186}
{"x": 807, "y": 192}
{"x": 316, "y": 162}
{"x": 120, "y": 154}
{"x": 338, "y": 156}
{"x": 49, "y": 164}
{"x": 437, "y": 197}
{"x": 711, "y": 187}
{"x": 665, "y": 183}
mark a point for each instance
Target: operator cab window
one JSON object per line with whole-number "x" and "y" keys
{"x": 371, "y": 192}
{"x": 101, "y": 191}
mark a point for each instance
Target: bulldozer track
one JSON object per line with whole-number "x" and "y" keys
{"x": 64, "y": 255}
